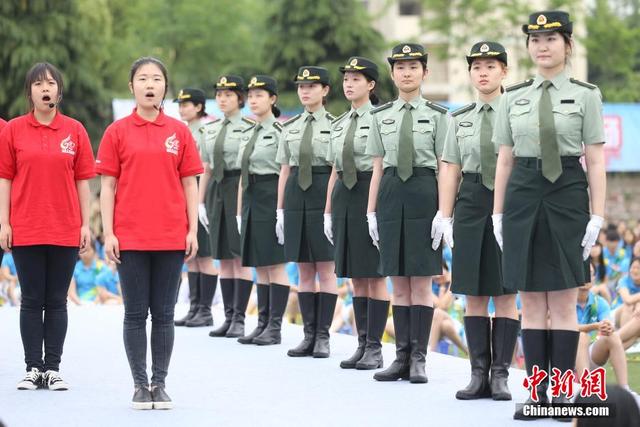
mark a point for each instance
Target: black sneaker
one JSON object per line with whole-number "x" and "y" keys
{"x": 161, "y": 399}
{"x": 31, "y": 381}
{"x": 142, "y": 398}
{"x": 53, "y": 381}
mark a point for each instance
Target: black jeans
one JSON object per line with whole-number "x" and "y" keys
{"x": 45, "y": 273}
{"x": 149, "y": 281}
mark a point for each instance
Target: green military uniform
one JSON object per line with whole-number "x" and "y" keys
{"x": 196, "y": 96}
{"x": 544, "y": 221}
{"x": 222, "y": 196}
{"x": 259, "y": 244}
{"x": 355, "y": 255}
{"x": 304, "y": 239}
{"x": 406, "y": 208}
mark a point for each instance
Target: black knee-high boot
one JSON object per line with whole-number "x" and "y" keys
{"x": 240, "y": 302}
{"x": 378, "y": 311}
{"x": 478, "y": 332}
{"x": 420, "y": 329}
{"x": 564, "y": 347}
{"x": 307, "y": 302}
{"x": 536, "y": 352}
{"x": 263, "y": 314}
{"x": 324, "y": 317}
{"x": 193, "y": 278}
{"x": 208, "y": 284}
{"x": 399, "y": 368}
{"x": 278, "y": 298}
{"x": 504, "y": 336}
{"x": 227, "y": 287}
{"x": 360, "y": 312}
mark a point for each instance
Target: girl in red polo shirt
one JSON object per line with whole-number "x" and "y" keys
{"x": 149, "y": 200}
{"x": 45, "y": 164}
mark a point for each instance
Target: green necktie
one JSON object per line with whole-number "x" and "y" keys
{"x": 487, "y": 150}
{"x": 244, "y": 164}
{"x": 306, "y": 151}
{"x": 405, "y": 145}
{"x": 550, "y": 155}
{"x": 349, "y": 174}
{"x": 218, "y": 153}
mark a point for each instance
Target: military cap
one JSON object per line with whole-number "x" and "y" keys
{"x": 547, "y": 21}
{"x": 229, "y": 81}
{"x": 191, "y": 95}
{"x": 361, "y": 65}
{"x": 487, "y": 50}
{"x": 261, "y": 81}
{"x": 312, "y": 74}
{"x": 408, "y": 51}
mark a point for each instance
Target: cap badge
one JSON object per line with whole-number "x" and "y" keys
{"x": 305, "y": 74}
{"x": 406, "y": 49}
{"x": 542, "y": 20}
{"x": 353, "y": 62}
{"x": 484, "y": 48}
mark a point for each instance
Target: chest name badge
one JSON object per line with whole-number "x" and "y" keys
{"x": 522, "y": 102}
{"x": 325, "y": 131}
{"x": 388, "y": 121}
{"x": 423, "y": 121}
{"x": 567, "y": 101}
{"x": 466, "y": 124}
{"x": 294, "y": 131}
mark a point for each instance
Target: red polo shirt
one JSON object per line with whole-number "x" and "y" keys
{"x": 149, "y": 159}
{"x": 2, "y": 124}
{"x": 44, "y": 162}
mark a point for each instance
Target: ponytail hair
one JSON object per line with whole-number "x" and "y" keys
{"x": 373, "y": 97}
{"x": 275, "y": 110}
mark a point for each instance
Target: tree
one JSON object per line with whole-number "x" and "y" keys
{"x": 324, "y": 33}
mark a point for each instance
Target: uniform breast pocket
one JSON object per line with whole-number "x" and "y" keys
{"x": 360, "y": 141}
{"x": 320, "y": 146}
{"x": 389, "y": 136}
{"x": 293, "y": 142}
{"x": 423, "y": 136}
{"x": 521, "y": 120}
{"x": 464, "y": 135}
{"x": 568, "y": 118}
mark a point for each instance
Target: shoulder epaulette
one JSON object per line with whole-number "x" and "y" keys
{"x": 381, "y": 108}
{"x": 464, "y": 109}
{"x": 519, "y": 85}
{"x": 291, "y": 120}
{"x": 212, "y": 122}
{"x": 201, "y": 129}
{"x": 248, "y": 129}
{"x": 441, "y": 108}
{"x": 581, "y": 83}
{"x": 278, "y": 126}
{"x": 330, "y": 116}
{"x": 246, "y": 120}
{"x": 340, "y": 117}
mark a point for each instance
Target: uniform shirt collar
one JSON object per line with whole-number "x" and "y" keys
{"x": 493, "y": 103}
{"x": 415, "y": 102}
{"x": 267, "y": 123}
{"x": 317, "y": 115}
{"x": 362, "y": 110}
{"x": 55, "y": 124}
{"x": 139, "y": 121}
{"x": 235, "y": 118}
{"x": 556, "y": 82}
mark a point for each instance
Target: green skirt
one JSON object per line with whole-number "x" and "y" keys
{"x": 479, "y": 272}
{"x": 304, "y": 239}
{"x": 222, "y": 205}
{"x": 404, "y": 213}
{"x": 355, "y": 255}
{"x": 543, "y": 226}
{"x": 258, "y": 240}
{"x": 204, "y": 246}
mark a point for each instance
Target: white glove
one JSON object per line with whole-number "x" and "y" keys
{"x": 280, "y": 226}
{"x": 591, "y": 235}
{"x": 497, "y": 228}
{"x": 202, "y": 216}
{"x": 372, "y": 221}
{"x": 328, "y": 224}
{"x": 239, "y": 223}
{"x": 441, "y": 227}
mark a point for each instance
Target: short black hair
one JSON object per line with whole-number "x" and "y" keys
{"x": 38, "y": 73}
{"x": 149, "y": 60}
{"x": 612, "y": 235}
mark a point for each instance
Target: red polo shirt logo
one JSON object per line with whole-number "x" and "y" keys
{"x": 67, "y": 146}
{"x": 172, "y": 144}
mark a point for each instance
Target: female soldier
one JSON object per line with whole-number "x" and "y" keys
{"x": 346, "y": 212}
{"x": 541, "y": 200}
{"x": 408, "y": 136}
{"x": 302, "y": 195}
{"x": 202, "y": 274}
{"x": 147, "y": 233}
{"x": 469, "y": 149}
{"x": 45, "y": 164}
{"x": 219, "y": 154}
{"x": 257, "y": 201}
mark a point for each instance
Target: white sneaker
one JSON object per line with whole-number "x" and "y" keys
{"x": 31, "y": 381}
{"x": 53, "y": 381}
